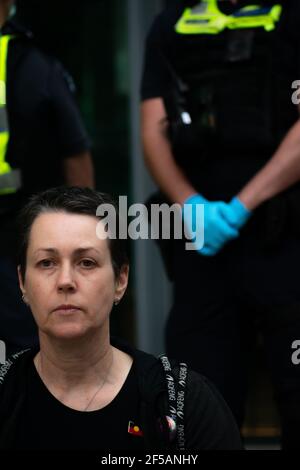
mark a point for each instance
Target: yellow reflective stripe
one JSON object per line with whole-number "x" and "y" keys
{"x": 4, "y": 40}
{"x": 210, "y": 20}
{"x": 266, "y": 21}
{"x": 2, "y": 93}
{"x": 212, "y": 5}
{"x": 4, "y": 133}
{"x": 4, "y": 166}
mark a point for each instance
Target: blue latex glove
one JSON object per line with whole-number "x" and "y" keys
{"x": 236, "y": 213}
{"x": 217, "y": 229}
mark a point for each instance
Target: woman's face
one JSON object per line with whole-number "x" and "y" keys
{"x": 70, "y": 284}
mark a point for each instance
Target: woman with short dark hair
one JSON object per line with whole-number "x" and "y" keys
{"x": 81, "y": 390}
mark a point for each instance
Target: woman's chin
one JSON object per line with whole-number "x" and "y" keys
{"x": 67, "y": 331}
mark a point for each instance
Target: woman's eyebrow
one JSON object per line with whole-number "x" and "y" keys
{"x": 84, "y": 249}
{"x": 77, "y": 251}
{"x": 50, "y": 250}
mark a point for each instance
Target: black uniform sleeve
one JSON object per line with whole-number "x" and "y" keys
{"x": 209, "y": 423}
{"x": 156, "y": 77}
{"x": 68, "y": 125}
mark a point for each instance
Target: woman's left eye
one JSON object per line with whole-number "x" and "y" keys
{"x": 88, "y": 263}
{"x": 46, "y": 263}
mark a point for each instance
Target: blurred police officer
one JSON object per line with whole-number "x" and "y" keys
{"x": 43, "y": 143}
{"x": 219, "y": 128}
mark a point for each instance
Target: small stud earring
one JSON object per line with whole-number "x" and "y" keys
{"x": 117, "y": 301}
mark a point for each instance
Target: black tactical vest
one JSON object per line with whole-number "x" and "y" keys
{"x": 232, "y": 92}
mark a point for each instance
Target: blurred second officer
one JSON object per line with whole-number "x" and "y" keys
{"x": 43, "y": 143}
{"x": 220, "y": 129}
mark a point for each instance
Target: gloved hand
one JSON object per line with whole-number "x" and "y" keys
{"x": 220, "y": 223}
{"x": 236, "y": 213}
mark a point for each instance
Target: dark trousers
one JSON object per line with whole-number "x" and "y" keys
{"x": 219, "y": 304}
{"x": 17, "y": 327}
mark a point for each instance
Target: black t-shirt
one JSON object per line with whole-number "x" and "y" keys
{"x": 47, "y": 424}
{"x": 44, "y": 124}
{"x": 211, "y": 170}
{"x": 31, "y": 418}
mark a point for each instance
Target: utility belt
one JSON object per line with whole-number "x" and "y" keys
{"x": 204, "y": 119}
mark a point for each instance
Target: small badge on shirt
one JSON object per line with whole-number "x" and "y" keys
{"x": 134, "y": 429}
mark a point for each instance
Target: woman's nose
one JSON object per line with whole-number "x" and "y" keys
{"x": 66, "y": 280}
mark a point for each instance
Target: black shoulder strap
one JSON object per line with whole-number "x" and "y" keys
{"x": 176, "y": 383}
{"x": 6, "y": 366}
{"x": 162, "y": 390}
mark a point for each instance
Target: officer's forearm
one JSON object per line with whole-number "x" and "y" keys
{"x": 79, "y": 170}
{"x": 281, "y": 172}
{"x": 160, "y": 161}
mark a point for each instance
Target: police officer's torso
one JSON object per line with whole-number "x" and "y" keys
{"x": 27, "y": 87}
{"x": 237, "y": 89}
{"x": 38, "y": 103}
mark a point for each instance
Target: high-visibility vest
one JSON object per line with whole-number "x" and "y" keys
{"x": 206, "y": 18}
{"x": 10, "y": 179}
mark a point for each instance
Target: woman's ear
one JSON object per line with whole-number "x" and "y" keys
{"x": 21, "y": 280}
{"x": 121, "y": 283}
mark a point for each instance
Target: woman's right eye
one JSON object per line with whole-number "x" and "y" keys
{"x": 45, "y": 263}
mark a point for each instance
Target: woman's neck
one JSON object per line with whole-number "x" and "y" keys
{"x": 69, "y": 363}
{"x": 85, "y": 376}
